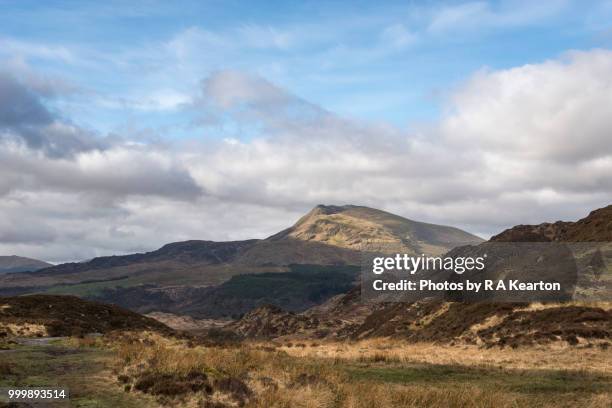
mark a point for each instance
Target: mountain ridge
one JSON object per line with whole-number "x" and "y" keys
{"x": 595, "y": 227}
{"x": 207, "y": 279}
{"x": 292, "y": 242}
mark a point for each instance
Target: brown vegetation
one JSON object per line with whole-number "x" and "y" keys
{"x": 549, "y": 357}
{"x": 374, "y": 373}
{"x": 431, "y": 320}
{"x": 54, "y": 315}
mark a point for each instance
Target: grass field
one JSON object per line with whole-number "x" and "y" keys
{"x": 84, "y": 371}
{"x": 148, "y": 370}
{"x": 523, "y": 382}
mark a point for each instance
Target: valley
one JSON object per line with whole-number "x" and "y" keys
{"x": 226, "y": 328}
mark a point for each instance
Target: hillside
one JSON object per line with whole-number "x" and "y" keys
{"x": 13, "y": 263}
{"x": 301, "y": 287}
{"x": 304, "y": 286}
{"x": 46, "y": 315}
{"x": 337, "y": 318}
{"x": 487, "y": 324}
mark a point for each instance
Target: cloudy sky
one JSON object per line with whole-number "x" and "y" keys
{"x": 124, "y": 127}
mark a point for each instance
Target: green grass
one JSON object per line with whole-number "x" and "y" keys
{"x": 529, "y": 382}
{"x": 79, "y": 370}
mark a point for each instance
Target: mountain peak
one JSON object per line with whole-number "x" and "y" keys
{"x": 332, "y": 209}
{"x": 324, "y": 209}
{"x": 363, "y": 228}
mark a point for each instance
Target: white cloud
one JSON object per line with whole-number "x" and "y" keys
{"x": 522, "y": 145}
{"x": 531, "y": 138}
{"x": 555, "y": 111}
{"x": 118, "y": 172}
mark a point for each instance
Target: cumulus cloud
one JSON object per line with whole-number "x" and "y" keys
{"x": 555, "y": 111}
{"x": 118, "y": 172}
{"x": 527, "y": 144}
{"x": 532, "y": 138}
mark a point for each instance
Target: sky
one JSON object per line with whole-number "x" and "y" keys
{"x": 125, "y": 126}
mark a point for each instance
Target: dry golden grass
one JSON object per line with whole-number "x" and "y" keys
{"x": 489, "y": 322}
{"x": 369, "y": 395}
{"x": 550, "y": 357}
{"x": 24, "y": 329}
{"x": 344, "y": 375}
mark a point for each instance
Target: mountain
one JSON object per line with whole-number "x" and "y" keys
{"x": 13, "y": 263}
{"x": 596, "y": 227}
{"x": 190, "y": 263}
{"x": 362, "y": 228}
{"x": 347, "y": 316}
{"x": 315, "y": 259}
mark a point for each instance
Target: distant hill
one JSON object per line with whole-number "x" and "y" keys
{"x": 174, "y": 256}
{"x": 13, "y": 263}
